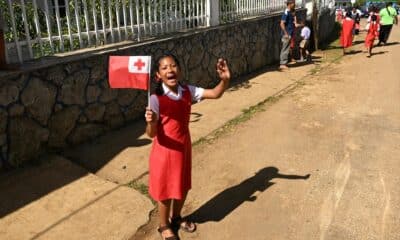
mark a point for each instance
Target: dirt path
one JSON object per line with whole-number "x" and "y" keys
{"x": 342, "y": 128}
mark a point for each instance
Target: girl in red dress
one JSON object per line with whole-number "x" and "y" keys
{"x": 346, "y": 36}
{"x": 168, "y": 123}
{"x": 373, "y": 32}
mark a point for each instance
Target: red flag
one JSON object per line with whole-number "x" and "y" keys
{"x": 129, "y": 72}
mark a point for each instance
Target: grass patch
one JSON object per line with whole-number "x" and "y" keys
{"x": 246, "y": 115}
{"x": 140, "y": 187}
{"x": 333, "y": 54}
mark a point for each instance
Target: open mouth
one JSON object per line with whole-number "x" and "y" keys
{"x": 171, "y": 76}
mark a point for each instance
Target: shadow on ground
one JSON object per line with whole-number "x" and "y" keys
{"x": 379, "y": 53}
{"x": 195, "y": 117}
{"x": 392, "y": 43}
{"x": 353, "y": 52}
{"x": 222, "y": 204}
{"x": 358, "y": 42}
{"x": 94, "y": 155}
{"x": 23, "y": 186}
{"x": 301, "y": 64}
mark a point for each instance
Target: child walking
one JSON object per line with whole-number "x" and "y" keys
{"x": 170, "y": 158}
{"x": 305, "y": 39}
{"x": 373, "y": 32}
{"x": 346, "y": 36}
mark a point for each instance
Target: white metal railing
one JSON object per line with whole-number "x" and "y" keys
{"x": 233, "y": 10}
{"x": 37, "y": 28}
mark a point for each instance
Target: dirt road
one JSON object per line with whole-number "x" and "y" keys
{"x": 323, "y": 162}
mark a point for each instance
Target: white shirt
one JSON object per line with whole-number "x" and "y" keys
{"x": 196, "y": 92}
{"x": 305, "y": 33}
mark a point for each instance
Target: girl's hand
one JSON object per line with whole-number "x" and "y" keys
{"x": 223, "y": 70}
{"x": 150, "y": 116}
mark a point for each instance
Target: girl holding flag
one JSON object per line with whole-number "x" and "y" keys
{"x": 167, "y": 120}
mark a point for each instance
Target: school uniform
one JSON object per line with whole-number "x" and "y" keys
{"x": 373, "y": 32}
{"x": 305, "y": 34}
{"x": 346, "y": 36}
{"x": 171, "y": 155}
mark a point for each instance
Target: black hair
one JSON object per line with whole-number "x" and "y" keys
{"x": 289, "y": 2}
{"x": 374, "y": 18}
{"x": 388, "y": 4}
{"x": 159, "y": 89}
{"x": 348, "y": 14}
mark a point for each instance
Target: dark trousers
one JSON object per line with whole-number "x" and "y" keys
{"x": 385, "y": 32}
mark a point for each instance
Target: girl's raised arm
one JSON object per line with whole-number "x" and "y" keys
{"x": 225, "y": 76}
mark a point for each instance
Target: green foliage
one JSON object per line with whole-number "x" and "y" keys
{"x": 360, "y": 2}
{"x": 19, "y": 23}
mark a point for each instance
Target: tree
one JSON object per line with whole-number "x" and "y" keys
{"x": 315, "y": 24}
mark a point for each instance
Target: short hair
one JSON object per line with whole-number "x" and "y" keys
{"x": 289, "y": 2}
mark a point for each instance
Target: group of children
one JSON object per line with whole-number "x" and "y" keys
{"x": 349, "y": 27}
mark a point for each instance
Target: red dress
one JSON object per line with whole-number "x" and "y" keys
{"x": 171, "y": 154}
{"x": 346, "y": 37}
{"x": 371, "y": 35}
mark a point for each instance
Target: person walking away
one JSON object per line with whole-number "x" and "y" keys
{"x": 372, "y": 34}
{"x": 372, "y": 11}
{"x": 305, "y": 40}
{"x": 346, "y": 36}
{"x": 388, "y": 17}
{"x": 288, "y": 24}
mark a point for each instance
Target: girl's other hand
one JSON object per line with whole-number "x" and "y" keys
{"x": 223, "y": 70}
{"x": 150, "y": 116}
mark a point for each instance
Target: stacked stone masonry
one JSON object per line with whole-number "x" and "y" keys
{"x": 69, "y": 102}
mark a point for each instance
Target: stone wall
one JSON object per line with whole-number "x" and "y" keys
{"x": 55, "y": 103}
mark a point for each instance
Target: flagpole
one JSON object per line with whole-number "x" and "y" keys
{"x": 149, "y": 85}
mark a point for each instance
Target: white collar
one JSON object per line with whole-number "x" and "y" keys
{"x": 167, "y": 91}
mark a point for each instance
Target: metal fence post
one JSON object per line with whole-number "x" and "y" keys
{"x": 212, "y": 12}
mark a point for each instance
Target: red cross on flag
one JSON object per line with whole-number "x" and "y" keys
{"x": 129, "y": 72}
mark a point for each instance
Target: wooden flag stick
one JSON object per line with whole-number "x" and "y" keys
{"x": 149, "y": 85}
